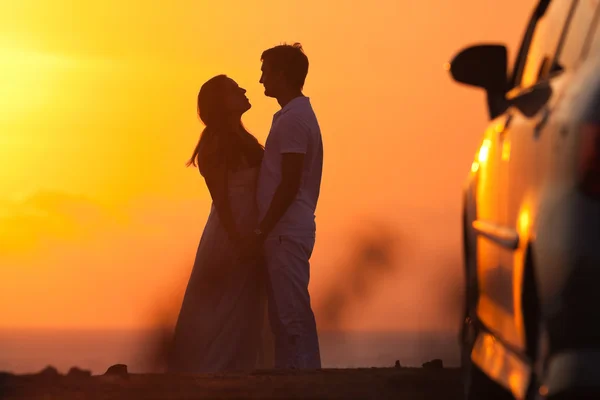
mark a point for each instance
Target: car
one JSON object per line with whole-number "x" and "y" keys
{"x": 531, "y": 211}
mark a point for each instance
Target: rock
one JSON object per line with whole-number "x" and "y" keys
{"x": 434, "y": 364}
{"x": 117, "y": 370}
{"x": 49, "y": 372}
{"x": 397, "y": 365}
{"x": 78, "y": 373}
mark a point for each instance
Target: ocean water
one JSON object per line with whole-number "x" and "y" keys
{"x": 29, "y": 351}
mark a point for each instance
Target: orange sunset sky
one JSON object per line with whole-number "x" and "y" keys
{"x": 100, "y": 218}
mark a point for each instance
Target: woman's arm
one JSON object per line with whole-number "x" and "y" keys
{"x": 217, "y": 184}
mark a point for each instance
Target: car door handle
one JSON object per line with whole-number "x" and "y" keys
{"x": 542, "y": 122}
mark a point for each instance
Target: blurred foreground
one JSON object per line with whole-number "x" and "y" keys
{"x": 375, "y": 253}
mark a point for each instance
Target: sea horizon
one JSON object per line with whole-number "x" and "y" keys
{"x": 25, "y": 350}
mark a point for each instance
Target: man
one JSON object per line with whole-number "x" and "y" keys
{"x": 287, "y": 194}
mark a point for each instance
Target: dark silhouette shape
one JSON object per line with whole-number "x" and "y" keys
{"x": 79, "y": 373}
{"x": 49, "y": 372}
{"x": 117, "y": 370}
{"x": 434, "y": 364}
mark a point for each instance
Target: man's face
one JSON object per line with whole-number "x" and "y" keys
{"x": 270, "y": 79}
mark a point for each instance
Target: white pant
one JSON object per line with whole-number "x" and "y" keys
{"x": 292, "y": 319}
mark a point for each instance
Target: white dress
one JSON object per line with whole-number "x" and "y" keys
{"x": 222, "y": 325}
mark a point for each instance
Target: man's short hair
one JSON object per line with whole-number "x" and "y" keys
{"x": 289, "y": 59}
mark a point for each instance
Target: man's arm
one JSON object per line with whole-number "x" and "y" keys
{"x": 291, "y": 176}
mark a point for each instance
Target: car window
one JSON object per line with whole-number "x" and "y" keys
{"x": 545, "y": 41}
{"x": 570, "y": 51}
{"x": 592, "y": 45}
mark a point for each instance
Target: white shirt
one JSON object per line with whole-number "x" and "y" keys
{"x": 294, "y": 130}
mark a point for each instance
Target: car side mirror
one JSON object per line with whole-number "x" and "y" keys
{"x": 484, "y": 66}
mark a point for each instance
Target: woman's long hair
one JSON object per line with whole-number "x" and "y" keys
{"x": 220, "y": 147}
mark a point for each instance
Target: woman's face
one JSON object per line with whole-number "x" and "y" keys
{"x": 234, "y": 98}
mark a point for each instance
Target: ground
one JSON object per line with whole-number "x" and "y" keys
{"x": 372, "y": 383}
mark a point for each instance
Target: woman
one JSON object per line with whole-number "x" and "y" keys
{"x": 222, "y": 323}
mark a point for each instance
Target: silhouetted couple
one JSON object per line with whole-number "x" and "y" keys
{"x": 247, "y": 304}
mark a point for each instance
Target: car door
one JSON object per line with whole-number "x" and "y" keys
{"x": 557, "y": 42}
{"x": 491, "y": 283}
